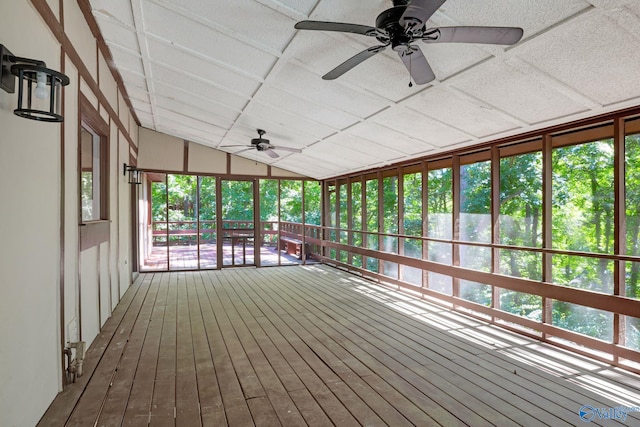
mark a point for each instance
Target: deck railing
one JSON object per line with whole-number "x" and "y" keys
{"x": 186, "y": 232}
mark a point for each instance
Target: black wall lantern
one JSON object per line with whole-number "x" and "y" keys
{"x": 135, "y": 174}
{"x": 48, "y": 83}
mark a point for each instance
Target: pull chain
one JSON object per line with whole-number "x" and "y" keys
{"x": 410, "y": 83}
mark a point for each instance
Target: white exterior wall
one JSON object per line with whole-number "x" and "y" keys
{"x": 30, "y": 230}
{"x": 39, "y": 203}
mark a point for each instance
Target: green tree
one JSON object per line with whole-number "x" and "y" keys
{"x": 269, "y": 200}
{"x": 583, "y": 213}
{"x": 312, "y": 202}
{"x": 291, "y": 201}
{"x": 521, "y": 214}
{"x": 632, "y": 191}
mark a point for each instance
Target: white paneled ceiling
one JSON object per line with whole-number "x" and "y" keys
{"x": 212, "y": 71}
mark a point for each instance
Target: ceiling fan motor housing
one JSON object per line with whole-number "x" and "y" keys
{"x": 389, "y": 20}
{"x": 260, "y": 143}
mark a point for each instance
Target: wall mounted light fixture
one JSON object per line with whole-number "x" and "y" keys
{"x": 135, "y": 174}
{"x": 43, "y": 101}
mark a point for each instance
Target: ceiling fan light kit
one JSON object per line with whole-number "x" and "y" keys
{"x": 402, "y": 25}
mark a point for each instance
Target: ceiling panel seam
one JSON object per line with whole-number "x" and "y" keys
{"x": 609, "y": 4}
{"x": 323, "y": 105}
{"x": 206, "y": 126}
{"x": 625, "y": 19}
{"x": 216, "y": 27}
{"x": 407, "y": 137}
{"x": 202, "y": 80}
{"x": 219, "y": 119}
{"x": 138, "y": 19}
{"x": 103, "y": 15}
{"x": 485, "y": 104}
{"x": 196, "y": 54}
{"x": 361, "y": 89}
{"x": 472, "y": 138}
{"x": 550, "y": 81}
{"x": 283, "y": 9}
{"x": 126, "y": 51}
{"x": 530, "y": 37}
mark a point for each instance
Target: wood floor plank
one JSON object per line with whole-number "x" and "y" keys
{"x": 139, "y": 406}
{"x": 209, "y": 395}
{"x": 241, "y": 365}
{"x": 419, "y": 416}
{"x": 321, "y": 347}
{"x": 381, "y": 353}
{"x": 275, "y": 390}
{"x": 317, "y": 346}
{"x": 262, "y": 412}
{"x": 544, "y": 405}
{"x": 546, "y": 382}
{"x": 247, "y": 313}
{"x": 90, "y": 403}
{"x": 163, "y": 402}
{"x": 187, "y": 403}
{"x": 118, "y": 396}
{"x": 61, "y": 408}
{"x": 312, "y": 371}
{"x": 235, "y": 406}
{"x": 388, "y": 372}
{"x": 309, "y": 408}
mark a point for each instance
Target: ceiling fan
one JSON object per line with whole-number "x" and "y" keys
{"x": 402, "y": 25}
{"x": 263, "y": 144}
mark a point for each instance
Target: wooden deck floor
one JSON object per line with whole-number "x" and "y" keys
{"x": 186, "y": 257}
{"x": 317, "y": 346}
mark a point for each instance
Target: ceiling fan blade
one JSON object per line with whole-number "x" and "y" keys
{"x": 365, "y": 30}
{"x": 484, "y": 35}
{"x": 271, "y": 153}
{"x": 419, "y": 10}
{"x": 352, "y": 62}
{"x": 293, "y": 150}
{"x": 235, "y": 146}
{"x": 417, "y": 64}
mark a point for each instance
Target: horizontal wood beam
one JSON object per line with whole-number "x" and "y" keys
{"x": 597, "y": 300}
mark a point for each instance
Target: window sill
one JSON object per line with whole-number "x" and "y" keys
{"x": 94, "y": 233}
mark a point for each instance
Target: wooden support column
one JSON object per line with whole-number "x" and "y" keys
{"x": 380, "y": 219}
{"x": 197, "y": 213}
{"x": 495, "y": 222}
{"x": 219, "y": 231}
{"x": 425, "y": 221}
{"x": 547, "y": 215}
{"x": 349, "y": 221}
{"x": 400, "y": 215}
{"x": 257, "y": 228}
{"x": 363, "y": 214}
{"x": 337, "y": 224}
{"x": 279, "y": 227}
{"x": 455, "y": 233}
{"x": 619, "y": 237}
{"x": 303, "y": 250}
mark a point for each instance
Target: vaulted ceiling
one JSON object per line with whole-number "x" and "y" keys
{"x": 213, "y": 71}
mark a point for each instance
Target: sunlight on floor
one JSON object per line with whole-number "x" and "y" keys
{"x": 605, "y": 380}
